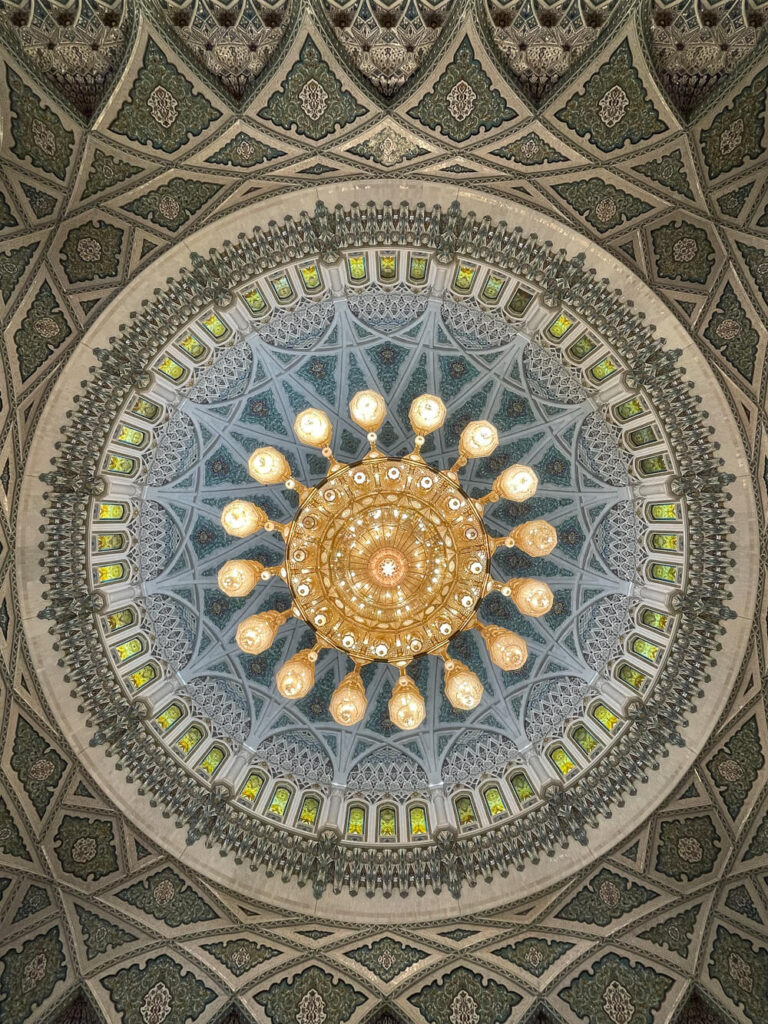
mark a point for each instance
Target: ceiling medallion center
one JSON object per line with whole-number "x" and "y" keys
{"x": 386, "y": 560}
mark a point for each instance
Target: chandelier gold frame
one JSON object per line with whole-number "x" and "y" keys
{"x": 386, "y": 560}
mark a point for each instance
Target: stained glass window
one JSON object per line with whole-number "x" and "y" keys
{"x": 171, "y": 369}
{"x": 387, "y": 823}
{"x": 665, "y": 573}
{"x": 252, "y": 787}
{"x": 417, "y": 268}
{"x": 357, "y": 267}
{"x": 631, "y": 408}
{"x": 580, "y": 349}
{"x": 255, "y": 300}
{"x": 193, "y": 347}
{"x": 129, "y": 649}
{"x": 656, "y": 620}
{"x": 311, "y": 277}
{"x": 493, "y": 287}
{"x": 666, "y": 541}
{"x": 522, "y": 788}
{"x": 560, "y": 327}
{"x": 119, "y": 619}
{"x": 668, "y": 511}
{"x": 113, "y": 511}
{"x": 584, "y": 738}
{"x": 282, "y": 288}
{"x": 278, "y": 805}
{"x": 605, "y": 717}
{"x": 212, "y": 761}
{"x": 143, "y": 675}
{"x": 356, "y": 822}
{"x": 387, "y": 266}
{"x": 520, "y": 301}
{"x": 169, "y": 717}
{"x": 631, "y": 676}
{"x": 642, "y": 436}
{"x": 310, "y": 807}
{"x": 189, "y": 741}
{"x": 144, "y": 408}
{"x": 107, "y": 542}
{"x": 653, "y": 464}
{"x": 465, "y": 812}
{"x": 465, "y": 275}
{"x": 109, "y": 573}
{"x": 417, "y": 822}
{"x": 215, "y": 326}
{"x": 603, "y": 370}
{"x": 494, "y": 801}
{"x": 120, "y": 464}
{"x": 131, "y": 436}
{"x": 561, "y": 760}
{"x": 645, "y": 649}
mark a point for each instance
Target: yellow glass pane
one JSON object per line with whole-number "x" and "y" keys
{"x": 562, "y": 761}
{"x": 605, "y": 717}
{"x": 189, "y": 740}
{"x": 282, "y": 287}
{"x": 653, "y": 464}
{"x": 631, "y": 676}
{"x": 645, "y": 649}
{"x": 129, "y": 649}
{"x": 109, "y": 573}
{"x": 144, "y": 408}
{"x": 168, "y": 717}
{"x": 561, "y": 326}
{"x": 356, "y": 821}
{"x": 193, "y": 347}
{"x": 311, "y": 276}
{"x": 252, "y": 787}
{"x": 522, "y": 787}
{"x": 120, "y": 464}
{"x": 465, "y": 811}
{"x": 580, "y": 349}
{"x": 215, "y": 326}
{"x": 417, "y": 821}
{"x": 666, "y": 541}
{"x": 109, "y": 541}
{"x": 520, "y": 301}
{"x": 131, "y": 435}
{"x": 418, "y": 268}
{"x": 212, "y": 760}
{"x": 493, "y": 287}
{"x": 668, "y": 511}
{"x": 465, "y": 275}
{"x": 142, "y": 676}
{"x": 308, "y": 814}
{"x": 358, "y": 267}
{"x": 279, "y": 802}
{"x": 495, "y": 801}
{"x": 110, "y": 510}
{"x": 387, "y": 823}
{"x": 604, "y": 369}
{"x": 119, "y": 620}
{"x": 387, "y": 267}
{"x": 665, "y": 573}
{"x": 632, "y": 407}
{"x": 255, "y": 300}
{"x": 585, "y": 740}
{"x": 171, "y": 369}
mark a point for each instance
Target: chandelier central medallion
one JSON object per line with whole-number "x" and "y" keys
{"x": 386, "y": 560}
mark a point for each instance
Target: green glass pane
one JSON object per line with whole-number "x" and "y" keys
{"x": 494, "y": 801}
{"x": 358, "y": 267}
{"x": 356, "y": 821}
{"x": 119, "y": 619}
{"x": 561, "y": 326}
{"x": 311, "y": 277}
{"x": 603, "y": 370}
{"x": 605, "y": 717}
{"x": 109, "y": 573}
{"x": 131, "y": 436}
{"x": 171, "y": 369}
{"x": 279, "y": 802}
{"x": 522, "y": 787}
{"x": 641, "y": 436}
{"x": 255, "y": 300}
{"x": 585, "y": 740}
{"x": 465, "y": 812}
{"x": 668, "y": 511}
{"x": 656, "y": 620}
{"x": 309, "y": 810}
{"x": 465, "y": 275}
{"x": 282, "y": 287}
{"x": 193, "y": 347}
{"x": 520, "y": 301}
{"x": 417, "y": 822}
{"x": 666, "y": 541}
{"x": 252, "y": 787}
{"x": 652, "y": 464}
{"x": 417, "y": 268}
{"x": 631, "y": 676}
{"x": 110, "y": 510}
{"x": 494, "y": 284}
{"x": 580, "y": 349}
{"x": 212, "y": 761}
{"x": 109, "y": 541}
{"x": 143, "y": 675}
{"x": 189, "y": 740}
{"x": 562, "y": 761}
{"x": 388, "y": 267}
{"x": 144, "y": 408}
{"x": 120, "y": 464}
{"x": 129, "y": 649}
{"x": 665, "y": 573}
{"x": 645, "y": 649}
{"x": 168, "y": 717}
{"x": 632, "y": 407}
{"x": 215, "y": 326}
{"x": 387, "y": 823}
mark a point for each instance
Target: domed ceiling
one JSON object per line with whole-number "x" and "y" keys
{"x": 215, "y": 215}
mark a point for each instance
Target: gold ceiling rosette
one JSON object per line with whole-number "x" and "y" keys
{"x": 386, "y": 560}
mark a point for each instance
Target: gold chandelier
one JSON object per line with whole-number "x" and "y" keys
{"x": 387, "y": 559}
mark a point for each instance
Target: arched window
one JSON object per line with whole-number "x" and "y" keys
{"x": 187, "y": 743}
{"x": 562, "y": 760}
{"x": 111, "y": 511}
{"x": 495, "y": 802}
{"x": 418, "y": 824}
{"x": 632, "y": 676}
{"x": 465, "y": 812}
{"x": 522, "y": 788}
{"x": 584, "y": 739}
{"x": 119, "y": 619}
{"x": 605, "y": 717}
{"x": 310, "y": 808}
{"x": 215, "y": 326}
{"x": 387, "y": 824}
{"x": 212, "y": 761}
{"x": 146, "y": 674}
{"x": 168, "y": 718}
{"x": 129, "y": 649}
{"x": 120, "y": 465}
{"x": 109, "y": 573}
{"x": 251, "y": 788}
{"x": 356, "y": 822}
{"x": 278, "y": 805}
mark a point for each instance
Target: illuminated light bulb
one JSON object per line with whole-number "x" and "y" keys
{"x": 242, "y": 518}
{"x": 532, "y": 597}
{"x": 516, "y": 483}
{"x": 297, "y": 676}
{"x": 239, "y": 576}
{"x": 368, "y": 409}
{"x": 427, "y": 413}
{"x": 478, "y": 439}
{"x": 269, "y": 466}
{"x": 506, "y": 649}
{"x": 348, "y": 701}
{"x": 406, "y": 705}
{"x": 257, "y": 633}
{"x": 462, "y": 686}
{"x": 313, "y": 427}
{"x": 535, "y": 538}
